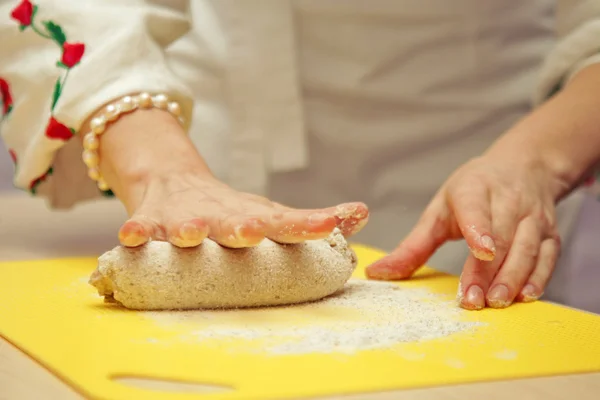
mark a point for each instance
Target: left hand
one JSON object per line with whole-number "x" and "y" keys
{"x": 504, "y": 207}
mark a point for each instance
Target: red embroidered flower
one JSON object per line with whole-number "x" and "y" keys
{"x": 56, "y": 130}
{"x": 5, "y": 96}
{"x": 36, "y": 182}
{"x": 13, "y": 155}
{"x": 72, "y": 53}
{"x": 23, "y": 13}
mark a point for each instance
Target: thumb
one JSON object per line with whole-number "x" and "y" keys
{"x": 420, "y": 244}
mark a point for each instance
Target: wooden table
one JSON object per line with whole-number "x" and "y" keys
{"x": 29, "y": 231}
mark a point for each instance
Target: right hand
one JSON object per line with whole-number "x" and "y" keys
{"x": 170, "y": 194}
{"x": 186, "y": 208}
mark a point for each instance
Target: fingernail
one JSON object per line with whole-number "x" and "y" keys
{"x": 529, "y": 293}
{"x": 498, "y": 297}
{"x": 345, "y": 211}
{"x": 189, "y": 231}
{"x": 488, "y": 253}
{"x": 133, "y": 240}
{"x": 238, "y": 232}
{"x": 488, "y": 243}
{"x": 474, "y": 298}
{"x": 248, "y": 233}
{"x": 358, "y": 225}
{"x": 385, "y": 273}
{"x": 318, "y": 219}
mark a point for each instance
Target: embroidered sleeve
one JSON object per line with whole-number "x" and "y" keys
{"x": 60, "y": 60}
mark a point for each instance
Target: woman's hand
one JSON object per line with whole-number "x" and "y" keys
{"x": 503, "y": 207}
{"x": 171, "y": 195}
{"x": 185, "y": 208}
{"x": 503, "y": 203}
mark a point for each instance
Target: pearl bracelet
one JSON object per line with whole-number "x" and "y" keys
{"x": 111, "y": 113}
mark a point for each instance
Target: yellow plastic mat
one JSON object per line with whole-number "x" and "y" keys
{"x": 48, "y": 310}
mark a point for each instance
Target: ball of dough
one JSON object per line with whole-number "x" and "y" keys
{"x": 160, "y": 276}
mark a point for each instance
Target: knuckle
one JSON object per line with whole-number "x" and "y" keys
{"x": 275, "y": 217}
{"x": 258, "y": 199}
{"x": 527, "y": 249}
{"x": 511, "y": 199}
{"x": 539, "y": 215}
{"x": 255, "y": 222}
{"x": 556, "y": 242}
{"x": 511, "y": 279}
{"x": 439, "y": 228}
{"x": 551, "y": 222}
{"x": 544, "y": 217}
{"x": 502, "y": 244}
{"x": 411, "y": 254}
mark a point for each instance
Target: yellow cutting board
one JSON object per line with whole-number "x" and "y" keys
{"x": 48, "y": 310}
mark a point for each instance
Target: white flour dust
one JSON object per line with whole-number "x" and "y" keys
{"x": 366, "y": 315}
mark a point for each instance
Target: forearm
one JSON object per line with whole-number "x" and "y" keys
{"x": 562, "y": 135}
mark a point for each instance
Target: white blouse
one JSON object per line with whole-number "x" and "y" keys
{"x": 311, "y": 102}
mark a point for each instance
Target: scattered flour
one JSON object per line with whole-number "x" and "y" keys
{"x": 507, "y": 355}
{"x": 455, "y": 363}
{"x": 365, "y": 315}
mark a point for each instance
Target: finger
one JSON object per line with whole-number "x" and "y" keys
{"x": 187, "y": 233}
{"x": 351, "y": 218}
{"x": 474, "y": 282}
{"x": 471, "y": 205}
{"x": 299, "y": 226}
{"x": 478, "y": 274}
{"x": 518, "y": 265}
{"x": 236, "y": 231}
{"x": 139, "y": 229}
{"x": 546, "y": 262}
{"x": 426, "y": 237}
{"x": 288, "y": 225}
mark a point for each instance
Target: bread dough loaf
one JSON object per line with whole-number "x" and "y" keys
{"x": 160, "y": 276}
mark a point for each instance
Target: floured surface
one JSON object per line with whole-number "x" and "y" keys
{"x": 48, "y": 310}
{"x": 367, "y": 315}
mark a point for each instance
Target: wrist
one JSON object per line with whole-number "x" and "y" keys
{"x": 518, "y": 148}
{"x": 141, "y": 147}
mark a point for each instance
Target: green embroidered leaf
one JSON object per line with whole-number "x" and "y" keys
{"x": 34, "y": 185}
{"x": 23, "y": 27}
{"x": 35, "y": 10}
{"x": 56, "y": 94}
{"x": 8, "y": 110}
{"x": 59, "y": 64}
{"x": 55, "y": 32}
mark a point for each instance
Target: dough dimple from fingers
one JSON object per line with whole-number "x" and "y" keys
{"x": 160, "y": 276}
